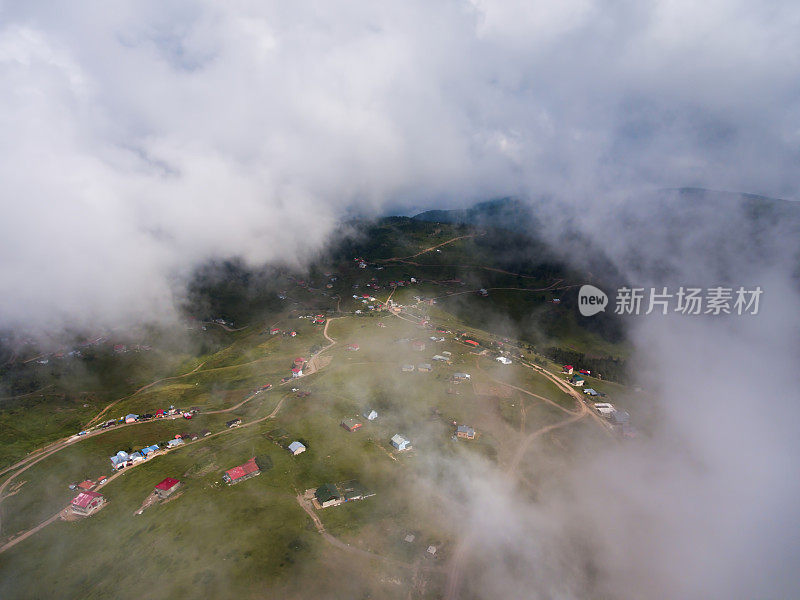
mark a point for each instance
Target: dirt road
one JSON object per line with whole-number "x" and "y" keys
{"x": 430, "y": 249}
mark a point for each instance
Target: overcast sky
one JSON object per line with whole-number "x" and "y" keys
{"x": 139, "y": 139}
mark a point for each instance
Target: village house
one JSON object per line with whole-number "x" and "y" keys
{"x": 584, "y": 372}
{"x": 167, "y": 487}
{"x": 408, "y": 368}
{"x": 590, "y": 392}
{"x": 460, "y": 376}
{"x": 86, "y": 503}
{"x": 567, "y": 369}
{"x": 472, "y": 343}
{"x": 503, "y": 360}
{"x": 274, "y": 331}
{"x": 424, "y": 367}
{"x": 242, "y": 472}
{"x": 441, "y": 358}
{"x": 351, "y": 424}
{"x": 577, "y": 381}
{"x": 465, "y": 432}
{"x": 119, "y": 460}
{"x": 233, "y": 423}
{"x": 605, "y": 409}
{"x": 136, "y": 457}
{"x": 327, "y": 495}
{"x": 205, "y": 432}
{"x": 86, "y": 485}
{"x": 175, "y": 442}
{"x": 352, "y": 347}
{"x": 370, "y": 415}
{"x": 149, "y": 450}
{"x": 620, "y": 417}
{"x": 131, "y": 418}
{"x": 297, "y": 372}
{"x": 400, "y": 443}
{"x": 296, "y": 448}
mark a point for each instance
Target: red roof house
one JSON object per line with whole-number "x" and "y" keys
{"x": 87, "y": 502}
{"x": 167, "y": 487}
{"x": 471, "y": 342}
{"x": 242, "y": 472}
{"x": 86, "y": 485}
{"x": 567, "y": 369}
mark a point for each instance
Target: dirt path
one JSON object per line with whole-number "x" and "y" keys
{"x": 581, "y": 407}
{"x": 225, "y": 327}
{"x": 337, "y": 543}
{"x": 232, "y": 408}
{"x": 10, "y": 544}
{"x": 457, "y": 563}
{"x": 426, "y": 250}
{"x": 97, "y": 417}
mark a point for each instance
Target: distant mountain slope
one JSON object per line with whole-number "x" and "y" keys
{"x": 507, "y": 213}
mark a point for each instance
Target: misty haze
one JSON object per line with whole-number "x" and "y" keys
{"x": 463, "y": 300}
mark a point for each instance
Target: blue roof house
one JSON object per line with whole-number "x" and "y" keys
{"x": 119, "y": 459}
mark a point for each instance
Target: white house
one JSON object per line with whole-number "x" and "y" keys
{"x": 504, "y": 360}
{"x": 296, "y": 448}
{"x": 119, "y": 460}
{"x": 370, "y": 415}
{"x": 604, "y": 408}
{"x": 401, "y": 443}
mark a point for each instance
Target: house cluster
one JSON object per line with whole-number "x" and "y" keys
{"x": 87, "y": 502}
{"x": 262, "y": 388}
{"x": 578, "y": 375}
{"x": 297, "y": 366}
{"x": 76, "y": 352}
{"x": 124, "y": 459}
{"x": 159, "y": 414}
{"x": 88, "y": 484}
{"x": 285, "y": 333}
{"x": 465, "y": 432}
